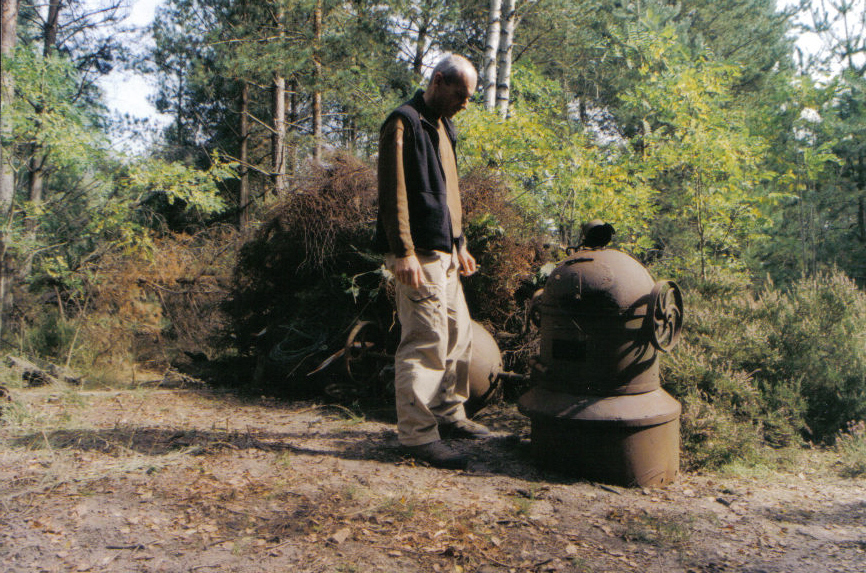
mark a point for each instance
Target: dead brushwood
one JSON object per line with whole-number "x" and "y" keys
{"x": 332, "y": 209}
{"x": 309, "y": 272}
{"x": 150, "y": 308}
{"x": 508, "y": 255}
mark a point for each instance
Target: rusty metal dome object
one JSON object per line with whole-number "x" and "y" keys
{"x": 365, "y": 352}
{"x": 484, "y": 369}
{"x": 597, "y": 408}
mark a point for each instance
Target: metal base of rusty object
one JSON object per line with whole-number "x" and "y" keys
{"x": 629, "y": 440}
{"x": 484, "y": 370}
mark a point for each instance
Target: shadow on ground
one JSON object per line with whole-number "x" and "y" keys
{"x": 842, "y": 514}
{"x": 505, "y": 455}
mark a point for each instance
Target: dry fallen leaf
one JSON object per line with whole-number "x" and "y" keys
{"x": 341, "y": 535}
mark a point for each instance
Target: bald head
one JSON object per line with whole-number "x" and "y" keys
{"x": 451, "y": 85}
{"x": 453, "y": 67}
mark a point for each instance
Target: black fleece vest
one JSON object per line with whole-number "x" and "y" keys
{"x": 427, "y": 196}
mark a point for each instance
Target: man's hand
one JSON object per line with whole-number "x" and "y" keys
{"x": 408, "y": 271}
{"x": 467, "y": 261}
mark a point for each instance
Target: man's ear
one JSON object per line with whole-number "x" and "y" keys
{"x": 437, "y": 79}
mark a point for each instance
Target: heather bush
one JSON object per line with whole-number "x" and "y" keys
{"x": 773, "y": 367}
{"x": 819, "y": 331}
{"x": 851, "y": 446}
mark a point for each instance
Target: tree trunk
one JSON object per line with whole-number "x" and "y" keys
{"x": 350, "y": 132}
{"x": 804, "y": 251}
{"x": 506, "y": 45}
{"x": 490, "y": 50}
{"x": 7, "y": 93}
{"x": 38, "y": 157}
{"x": 420, "y": 45}
{"x": 317, "y": 125}
{"x": 861, "y": 219}
{"x": 317, "y": 93}
{"x": 278, "y": 138}
{"x": 36, "y": 164}
{"x": 8, "y": 35}
{"x": 293, "y": 104}
{"x": 293, "y": 123}
{"x": 244, "y": 196}
{"x": 179, "y": 125}
{"x": 812, "y": 260}
{"x": 49, "y": 30}
{"x": 278, "y": 111}
{"x": 702, "y": 238}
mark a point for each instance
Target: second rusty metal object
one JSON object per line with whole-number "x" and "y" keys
{"x": 484, "y": 369}
{"x": 363, "y": 351}
{"x": 365, "y": 357}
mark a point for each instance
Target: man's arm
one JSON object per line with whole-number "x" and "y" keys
{"x": 394, "y": 204}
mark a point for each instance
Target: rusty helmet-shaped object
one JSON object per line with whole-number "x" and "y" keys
{"x": 597, "y": 408}
{"x": 603, "y": 320}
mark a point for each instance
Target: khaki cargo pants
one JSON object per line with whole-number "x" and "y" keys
{"x": 432, "y": 362}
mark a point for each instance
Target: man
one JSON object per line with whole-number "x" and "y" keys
{"x": 419, "y": 228}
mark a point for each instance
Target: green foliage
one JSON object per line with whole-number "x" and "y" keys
{"x": 820, "y": 161}
{"x": 690, "y": 182}
{"x": 696, "y": 149}
{"x": 561, "y": 179}
{"x": 773, "y": 367}
{"x": 580, "y": 45}
{"x": 207, "y": 49}
{"x": 122, "y": 215}
{"x": 851, "y": 445}
{"x": 49, "y": 113}
{"x": 819, "y": 330}
{"x": 196, "y": 189}
{"x": 51, "y": 336}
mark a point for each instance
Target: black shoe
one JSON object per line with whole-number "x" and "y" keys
{"x": 438, "y": 455}
{"x": 464, "y": 429}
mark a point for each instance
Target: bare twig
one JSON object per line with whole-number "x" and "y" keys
{"x": 134, "y": 546}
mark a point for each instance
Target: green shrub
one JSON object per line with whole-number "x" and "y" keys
{"x": 50, "y": 335}
{"x": 819, "y": 330}
{"x": 773, "y": 367}
{"x": 851, "y": 445}
{"x": 721, "y": 408}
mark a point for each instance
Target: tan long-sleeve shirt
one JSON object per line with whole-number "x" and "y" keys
{"x": 393, "y": 191}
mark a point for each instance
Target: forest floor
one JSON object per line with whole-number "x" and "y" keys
{"x": 200, "y": 481}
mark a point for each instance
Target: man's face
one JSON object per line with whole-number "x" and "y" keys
{"x": 453, "y": 97}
